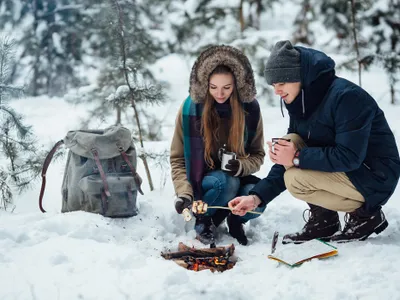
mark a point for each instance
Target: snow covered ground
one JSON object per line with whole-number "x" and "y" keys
{"x": 85, "y": 256}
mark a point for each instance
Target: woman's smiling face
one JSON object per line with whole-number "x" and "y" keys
{"x": 221, "y": 86}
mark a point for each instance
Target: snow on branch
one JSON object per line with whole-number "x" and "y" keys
{"x": 60, "y": 9}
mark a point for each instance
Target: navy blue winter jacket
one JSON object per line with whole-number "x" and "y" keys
{"x": 345, "y": 131}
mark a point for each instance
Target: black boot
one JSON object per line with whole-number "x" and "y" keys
{"x": 219, "y": 216}
{"x": 360, "y": 225}
{"x": 205, "y": 229}
{"x": 322, "y": 224}
{"x": 236, "y": 230}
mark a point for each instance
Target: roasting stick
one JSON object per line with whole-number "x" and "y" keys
{"x": 224, "y": 207}
{"x": 187, "y": 215}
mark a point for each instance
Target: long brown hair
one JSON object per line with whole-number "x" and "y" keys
{"x": 210, "y": 122}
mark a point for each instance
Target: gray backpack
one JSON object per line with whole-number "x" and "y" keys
{"x": 100, "y": 174}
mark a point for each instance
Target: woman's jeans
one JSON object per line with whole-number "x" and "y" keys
{"x": 219, "y": 188}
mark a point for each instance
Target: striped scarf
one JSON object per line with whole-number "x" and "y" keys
{"x": 193, "y": 143}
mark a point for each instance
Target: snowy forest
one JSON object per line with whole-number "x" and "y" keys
{"x": 81, "y": 50}
{"x": 89, "y": 64}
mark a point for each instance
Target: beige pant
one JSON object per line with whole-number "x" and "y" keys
{"x": 331, "y": 190}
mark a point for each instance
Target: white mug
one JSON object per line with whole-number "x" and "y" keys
{"x": 226, "y": 156}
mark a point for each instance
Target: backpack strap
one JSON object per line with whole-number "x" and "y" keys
{"x": 44, "y": 170}
{"x": 136, "y": 176}
{"x": 104, "y": 202}
{"x": 101, "y": 171}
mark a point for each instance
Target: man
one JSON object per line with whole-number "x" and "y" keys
{"x": 342, "y": 155}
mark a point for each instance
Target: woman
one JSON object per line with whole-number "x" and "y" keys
{"x": 220, "y": 113}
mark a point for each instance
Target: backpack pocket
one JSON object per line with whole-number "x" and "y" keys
{"x": 121, "y": 203}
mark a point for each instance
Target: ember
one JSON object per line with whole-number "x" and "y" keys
{"x": 214, "y": 259}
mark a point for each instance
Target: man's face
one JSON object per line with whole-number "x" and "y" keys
{"x": 288, "y": 91}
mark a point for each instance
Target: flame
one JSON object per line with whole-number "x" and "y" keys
{"x": 207, "y": 262}
{"x": 196, "y": 267}
{"x": 220, "y": 261}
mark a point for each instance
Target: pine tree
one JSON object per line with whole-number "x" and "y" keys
{"x": 110, "y": 95}
{"x": 126, "y": 86}
{"x": 303, "y": 34}
{"x": 385, "y": 38}
{"x": 8, "y": 12}
{"x": 197, "y": 24}
{"x": 21, "y": 160}
{"x": 250, "y": 12}
{"x": 134, "y": 90}
{"x": 346, "y": 19}
{"x": 52, "y": 39}
{"x": 336, "y": 16}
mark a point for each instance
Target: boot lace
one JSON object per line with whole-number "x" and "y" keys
{"x": 350, "y": 221}
{"x": 309, "y": 215}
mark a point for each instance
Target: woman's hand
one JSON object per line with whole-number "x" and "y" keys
{"x": 283, "y": 153}
{"x": 232, "y": 167}
{"x": 181, "y": 203}
{"x": 241, "y": 205}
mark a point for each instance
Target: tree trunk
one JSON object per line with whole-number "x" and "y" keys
{"x": 241, "y": 17}
{"x": 37, "y": 50}
{"x": 302, "y": 33}
{"x": 353, "y": 17}
{"x": 392, "y": 92}
{"x": 258, "y": 15}
{"x": 118, "y": 115}
{"x": 146, "y": 167}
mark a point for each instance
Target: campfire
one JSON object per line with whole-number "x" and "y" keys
{"x": 214, "y": 259}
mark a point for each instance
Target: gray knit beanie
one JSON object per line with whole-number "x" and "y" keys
{"x": 283, "y": 65}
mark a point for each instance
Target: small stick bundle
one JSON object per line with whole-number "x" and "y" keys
{"x": 214, "y": 259}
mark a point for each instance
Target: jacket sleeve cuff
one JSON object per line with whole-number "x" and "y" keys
{"x": 240, "y": 170}
{"x": 263, "y": 203}
{"x": 187, "y": 196}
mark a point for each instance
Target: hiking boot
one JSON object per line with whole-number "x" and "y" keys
{"x": 322, "y": 224}
{"x": 360, "y": 225}
{"x": 236, "y": 230}
{"x": 219, "y": 216}
{"x": 205, "y": 230}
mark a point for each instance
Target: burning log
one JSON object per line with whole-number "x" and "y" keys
{"x": 214, "y": 259}
{"x": 184, "y": 250}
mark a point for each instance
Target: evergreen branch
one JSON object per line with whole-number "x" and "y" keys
{"x": 347, "y": 64}
{"x": 10, "y": 91}
{"x": 6, "y": 56}
{"x": 27, "y": 170}
{"x": 164, "y": 156}
{"x": 16, "y": 119}
{"x": 11, "y": 153}
{"x": 22, "y": 171}
{"x": 11, "y": 87}
{"x": 60, "y": 9}
{"x": 149, "y": 93}
{"x": 5, "y": 190}
{"x": 25, "y": 145}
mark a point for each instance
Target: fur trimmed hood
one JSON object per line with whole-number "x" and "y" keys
{"x": 222, "y": 55}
